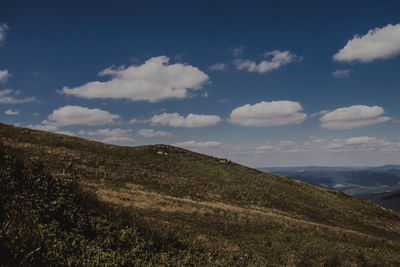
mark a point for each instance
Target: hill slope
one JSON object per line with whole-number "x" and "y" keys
{"x": 217, "y": 210}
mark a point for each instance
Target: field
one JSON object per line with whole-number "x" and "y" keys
{"x": 74, "y": 201}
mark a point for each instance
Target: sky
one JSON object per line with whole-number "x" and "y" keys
{"x": 262, "y": 83}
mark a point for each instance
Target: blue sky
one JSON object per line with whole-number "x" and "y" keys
{"x": 264, "y": 83}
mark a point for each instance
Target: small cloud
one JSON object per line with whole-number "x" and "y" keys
{"x": 76, "y": 115}
{"x": 111, "y": 135}
{"x": 265, "y": 148}
{"x": 66, "y": 133}
{"x": 322, "y": 112}
{"x": 11, "y": 112}
{"x": 218, "y": 67}
{"x": 274, "y": 60}
{"x": 48, "y": 128}
{"x": 3, "y": 30}
{"x": 236, "y": 51}
{"x": 193, "y": 144}
{"x": 153, "y": 133}
{"x": 190, "y": 121}
{"x": 353, "y": 117}
{"x": 265, "y": 114}
{"x": 7, "y": 96}
{"x": 133, "y": 121}
{"x": 4, "y": 75}
{"x": 180, "y": 56}
{"x": 36, "y": 114}
{"x": 342, "y": 73}
{"x": 378, "y": 43}
{"x": 286, "y": 143}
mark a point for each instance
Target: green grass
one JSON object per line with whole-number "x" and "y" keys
{"x": 185, "y": 207}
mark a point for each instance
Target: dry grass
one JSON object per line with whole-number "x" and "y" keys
{"x": 222, "y": 208}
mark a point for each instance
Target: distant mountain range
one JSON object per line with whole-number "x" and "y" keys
{"x": 379, "y": 184}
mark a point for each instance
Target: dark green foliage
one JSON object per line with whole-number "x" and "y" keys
{"x": 51, "y": 220}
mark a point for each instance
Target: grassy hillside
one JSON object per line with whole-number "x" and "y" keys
{"x": 185, "y": 207}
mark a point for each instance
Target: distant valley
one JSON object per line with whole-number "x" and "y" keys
{"x": 379, "y": 184}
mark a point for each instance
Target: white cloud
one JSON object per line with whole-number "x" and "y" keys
{"x": 4, "y": 75}
{"x": 218, "y": 67}
{"x": 3, "y": 30}
{"x": 66, "y": 133}
{"x": 152, "y": 81}
{"x": 111, "y": 135}
{"x": 359, "y": 140}
{"x": 265, "y": 148}
{"x": 191, "y": 120}
{"x": 11, "y": 112}
{"x": 363, "y": 144}
{"x": 153, "y": 133}
{"x": 286, "y": 143}
{"x": 352, "y": 117}
{"x": 352, "y": 144}
{"x": 268, "y": 114}
{"x": 48, "y": 128}
{"x": 378, "y": 43}
{"x": 194, "y": 145}
{"x": 274, "y": 59}
{"x": 341, "y": 73}
{"x": 76, "y": 115}
{"x": 7, "y": 96}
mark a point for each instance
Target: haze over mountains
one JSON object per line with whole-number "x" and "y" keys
{"x": 379, "y": 184}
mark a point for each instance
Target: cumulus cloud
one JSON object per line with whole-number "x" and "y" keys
{"x": 76, "y": 115}
{"x": 8, "y": 96}
{"x": 378, "y": 43}
{"x": 190, "y": 121}
{"x": 218, "y": 67}
{"x": 3, "y": 30}
{"x": 152, "y": 81}
{"x": 353, "y": 117}
{"x": 111, "y": 135}
{"x": 4, "y": 75}
{"x": 273, "y": 60}
{"x": 268, "y": 114}
{"x": 341, "y": 73}
{"x": 153, "y": 133}
{"x": 193, "y": 144}
{"x": 11, "y": 112}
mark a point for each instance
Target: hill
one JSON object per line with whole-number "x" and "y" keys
{"x": 389, "y": 199}
{"x": 86, "y": 198}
